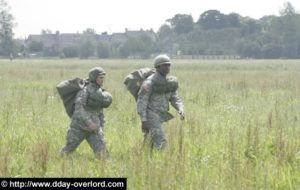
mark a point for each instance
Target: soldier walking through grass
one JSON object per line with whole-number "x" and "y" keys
{"x": 153, "y": 102}
{"x": 87, "y": 121}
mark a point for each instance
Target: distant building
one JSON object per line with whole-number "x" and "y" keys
{"x": 58, "y": 41}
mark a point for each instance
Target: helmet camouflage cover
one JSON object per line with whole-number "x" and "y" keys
{"x": 95, "y": 72}
{"x": 161, "y": 60}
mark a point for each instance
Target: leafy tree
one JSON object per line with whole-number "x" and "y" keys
{"x": 164, "y": 32}
{"x": 86, "y": 46}
{"x": 182, "y": 23}
{"x": 103, "y": 50}
{"x": 89, "y": 31}
{"x": 287, "y": 30}
{"x": 17, "y": 47}
{"x": 165, "y": 38}
{"x": 287, "y": 10}
{"x": 141, "y": 46}
{"x": 249, "y": 49}
{"x": 272, "y": 51}
{"x": 212, "y": 19}
{"x": 86, "y": 49}
{"x": 6, "y": 29}
{"x": 50, "y": 52}
{"x": 233, "y": 20}
{"x": 250, "y": 26}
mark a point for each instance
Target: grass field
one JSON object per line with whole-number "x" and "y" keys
{"x": 241, "y": 131}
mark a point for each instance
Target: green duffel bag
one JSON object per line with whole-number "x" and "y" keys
{"x": 68, "y": 90}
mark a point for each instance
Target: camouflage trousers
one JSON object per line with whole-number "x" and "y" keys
{"x": 157, "y": 133}
{"x": 96, "y": 141}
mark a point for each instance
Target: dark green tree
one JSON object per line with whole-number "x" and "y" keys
{"x": 272, "y": 51}
{"x": 70, "y": 51}
{"x": 182, "y": 23}
{"x": 6, "y": 29}
{"x": 212, "y": 19}
{"x": 35, "y": 46}
{"x": 287, "y": 10}
{"x": 233, "y": 20}
{"x": 141, "y": 47}
{"x": 103, "y": 50}
{"x": 89, "y": 31}
{"x": 87, "y": 46}
{"x": 165, "y": 38}
{"x": 249, "y": 49}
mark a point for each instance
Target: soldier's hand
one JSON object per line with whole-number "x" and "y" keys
{"x": 93, "y": 127}
{"x": 181, "y": 113}
{"x": 145, "y": 127}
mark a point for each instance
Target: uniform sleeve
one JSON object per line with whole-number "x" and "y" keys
{"x": 143, "y": 98}
{"x": 80, "y": 104}
{"x": 102, "y": 118}
{"x": 176, "y": 102}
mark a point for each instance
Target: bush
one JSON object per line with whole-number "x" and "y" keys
{"x": 35, "y": 46}
{"x": 103, "y": 50}
{"x": 71, "y": 51}
{"x": 62, "y": 55}
{"x": 272, "y": 51}
{"x": 249, "y": 49}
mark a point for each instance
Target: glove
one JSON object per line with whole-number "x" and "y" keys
{"x": 145, "y": 127}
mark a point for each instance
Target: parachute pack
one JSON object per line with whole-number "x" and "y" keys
{"x": 134, "y": 80}
{"x": 68, "y": 90}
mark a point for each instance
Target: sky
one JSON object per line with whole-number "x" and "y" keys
{"x": 72, "y": 16}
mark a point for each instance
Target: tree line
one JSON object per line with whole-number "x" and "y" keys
{"x": 214, "y": 33}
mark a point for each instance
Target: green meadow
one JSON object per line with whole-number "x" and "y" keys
{"x": 242, "y": 126}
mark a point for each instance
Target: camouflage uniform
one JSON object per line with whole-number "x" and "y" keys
{"x": 80, "y": 121}
{"x": 153, "y": 107}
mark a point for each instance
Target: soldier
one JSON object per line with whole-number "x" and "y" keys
{"x": 87, "y": 121}
{"x": 153, "y": 102}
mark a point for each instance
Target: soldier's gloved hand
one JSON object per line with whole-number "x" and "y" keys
{"x": 145, "y": 127}
{"x": 181, "y": 113}
{"x": 93, "y": 127}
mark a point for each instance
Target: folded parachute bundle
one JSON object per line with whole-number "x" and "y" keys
{"x": 68, "y": 90}
{"x": 134, "y": 80}
{"x": 99, "y": 99}
{"x": 165, "y": 86}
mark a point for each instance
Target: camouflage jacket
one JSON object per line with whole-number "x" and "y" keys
{"x": 156, "y": 102}
{"x": 84, "y": 116}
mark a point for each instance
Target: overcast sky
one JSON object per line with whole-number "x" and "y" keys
{"x": 71, "y": 16}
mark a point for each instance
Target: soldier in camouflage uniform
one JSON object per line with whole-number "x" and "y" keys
{"x": 153, "y": 107}
{"x": 86, "y": 122}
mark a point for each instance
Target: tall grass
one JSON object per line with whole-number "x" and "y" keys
{"x": 241, "y": 130}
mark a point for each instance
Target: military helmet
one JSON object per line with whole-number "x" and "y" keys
{"x": 161, "y": 60}
{"x": 95, "y": 72}
{"x": 107, "y": 99}
{"x": 99, "y": 99}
